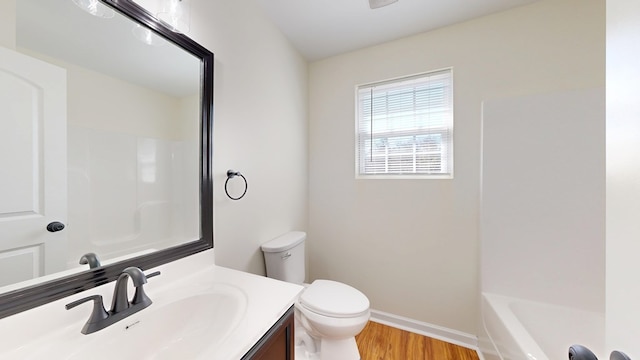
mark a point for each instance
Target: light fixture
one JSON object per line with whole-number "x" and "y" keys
{"x": 95, "y": 8}
{"x": 176, "y": 14}
{"x": 374, "y": 4}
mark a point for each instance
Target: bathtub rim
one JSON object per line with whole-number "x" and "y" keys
{"x": 500, "y": 307}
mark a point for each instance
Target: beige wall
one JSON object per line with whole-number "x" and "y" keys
{"x": 140, "y": 110}
{"x": 8, "y": 23}
{"x": 260, "y": 129}
{"x": 412, "y": 246}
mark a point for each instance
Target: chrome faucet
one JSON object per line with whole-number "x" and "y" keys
{"x": 121, "y": 307}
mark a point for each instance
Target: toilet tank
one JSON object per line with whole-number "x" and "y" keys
{"x": 284, "y": 257}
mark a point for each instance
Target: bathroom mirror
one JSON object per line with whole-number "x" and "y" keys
{"x": 127, "y": 105}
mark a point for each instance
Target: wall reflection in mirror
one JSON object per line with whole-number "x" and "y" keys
{"x": 101, "y": 132}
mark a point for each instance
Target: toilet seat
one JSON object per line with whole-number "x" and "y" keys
{"x": 334, "y": 299}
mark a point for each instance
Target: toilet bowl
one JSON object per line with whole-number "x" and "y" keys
{"x": 332, "y": 313}
{"x": 328, "y": 314}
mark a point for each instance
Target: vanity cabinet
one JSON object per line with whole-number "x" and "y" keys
{"x": 277, "y": 343}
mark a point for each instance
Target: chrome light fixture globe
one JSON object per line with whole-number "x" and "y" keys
{"x": 176, "y": 14}
{"x": 95, "y": 8}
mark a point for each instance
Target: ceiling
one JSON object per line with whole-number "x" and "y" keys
{"x": 323, "y": 28}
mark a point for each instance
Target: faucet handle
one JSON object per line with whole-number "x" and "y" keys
{"x": 155, "y": 273}
{"x": 97, "y": 314}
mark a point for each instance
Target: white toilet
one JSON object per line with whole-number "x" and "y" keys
{"x": 328, "y": 314}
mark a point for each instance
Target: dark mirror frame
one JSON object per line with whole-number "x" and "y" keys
{"x": 30, "y": 297}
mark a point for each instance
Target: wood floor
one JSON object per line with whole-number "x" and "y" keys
{"x": 381, "y": 342}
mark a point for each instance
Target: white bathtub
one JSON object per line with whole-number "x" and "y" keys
{"x": 527, "y": 330}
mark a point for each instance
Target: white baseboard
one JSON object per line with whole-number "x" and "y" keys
{"x": 433, "y": 331}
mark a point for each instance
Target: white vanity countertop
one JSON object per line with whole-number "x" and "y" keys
{"x": 39, "y": 332}
{"x": 267, "y": 301}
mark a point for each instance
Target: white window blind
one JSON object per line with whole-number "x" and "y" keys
{"x": 405, "y": 126}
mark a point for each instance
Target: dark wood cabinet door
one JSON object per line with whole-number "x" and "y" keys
{"x": 277, "y": 343}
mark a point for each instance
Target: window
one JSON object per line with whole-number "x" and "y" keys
{"x": 405, "y": 127}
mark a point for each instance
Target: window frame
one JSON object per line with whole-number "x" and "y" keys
{"x": 408, "y": 176}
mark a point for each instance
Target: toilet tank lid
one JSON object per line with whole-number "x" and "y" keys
{"x": 284, "y": 242}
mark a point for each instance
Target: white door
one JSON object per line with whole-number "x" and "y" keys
{"x": 33, "y": 167}
{"x": 623, "y": 176}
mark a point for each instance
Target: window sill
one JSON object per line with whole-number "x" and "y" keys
{"x": 404, "y": 177}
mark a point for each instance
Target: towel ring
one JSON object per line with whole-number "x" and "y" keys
{"x": 230, "y": 175}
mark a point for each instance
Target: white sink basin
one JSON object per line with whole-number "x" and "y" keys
{"x": 172, "y": 327}
{"x": 199, "y": 311}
